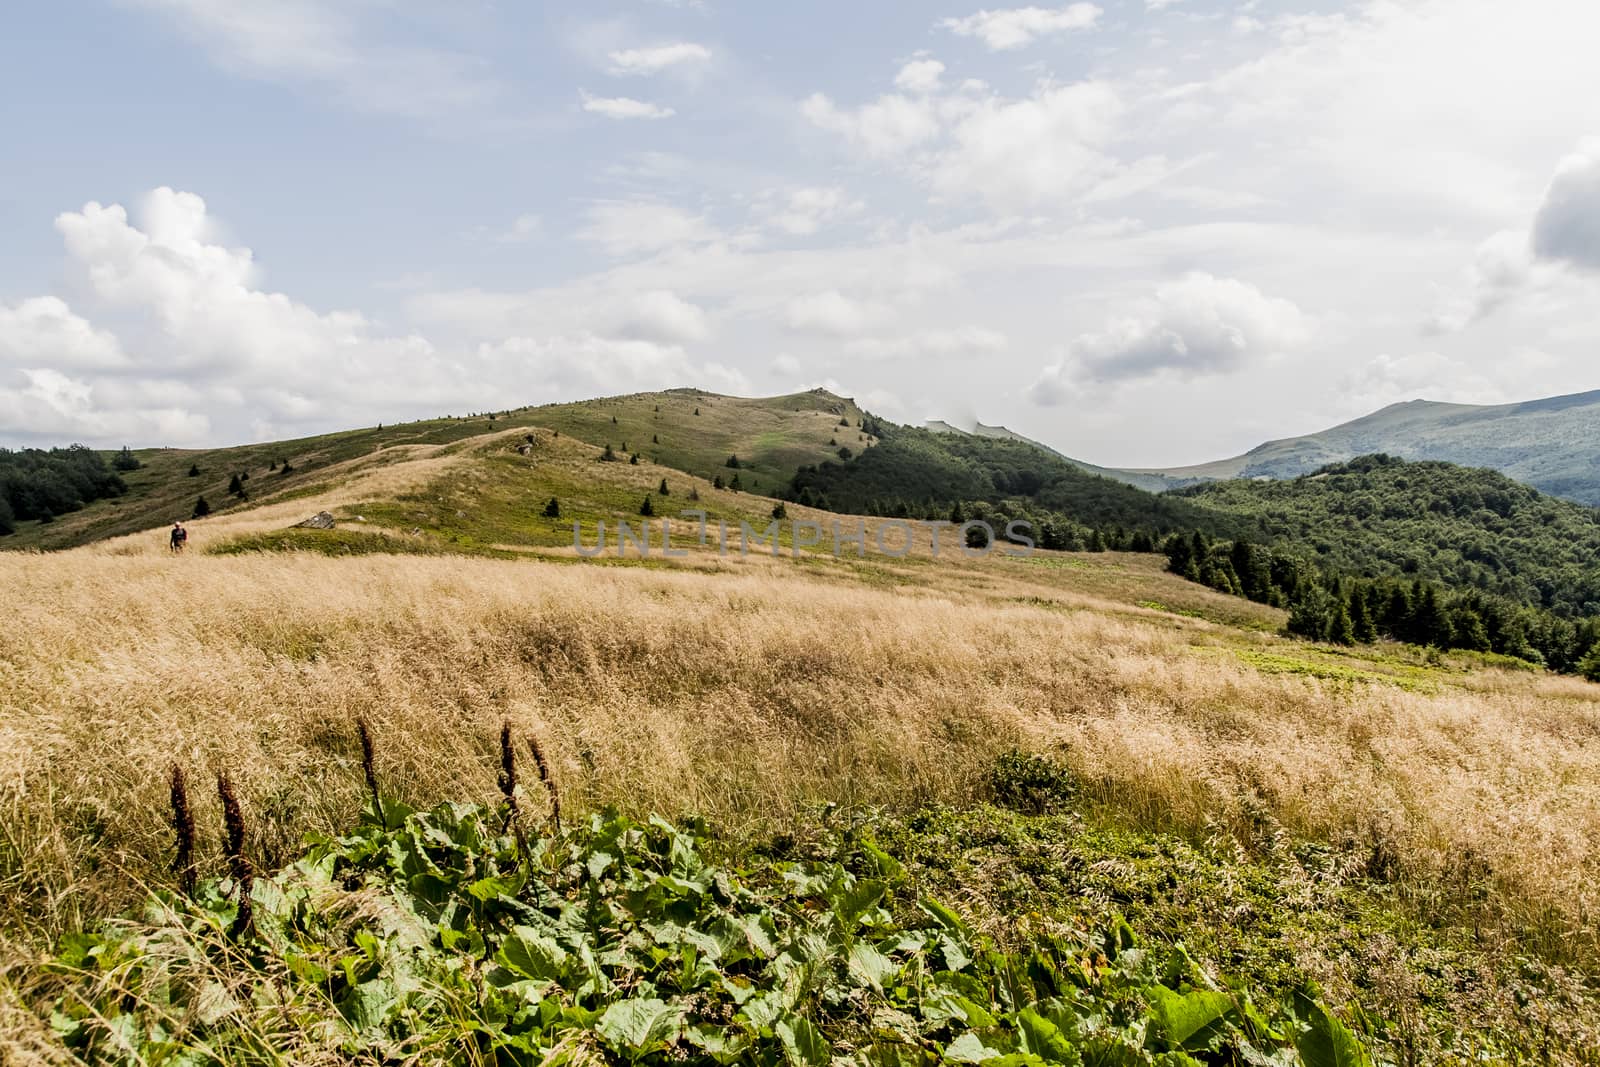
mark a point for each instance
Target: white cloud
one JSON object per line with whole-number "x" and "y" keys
{"x": 625, "y": 107}
{"x": 805, "y": 210}
{"x": 887, "y": 127}
{"x": 42, "y": 331}
{"x": 1390, "y": 379}
{"x": 936, "y": 343}
{"x": 1567, "y": 227}
{"x": 1020, "y": 26}
{"x": 1199, "y": 325}
{"x": 635, "y": 227}
{"x": 661, "y": 315}
{"x": 1500, "y": 270}
{"x": 919, "y": 76}
{"x": 657, "y": 58}
{"x": 1160, "y": 5}
{"x": 831, "y": 312}
{"x": 1018, "y": 153}
{"x": 585, "y": 364}
{"x": 327, "y": 46}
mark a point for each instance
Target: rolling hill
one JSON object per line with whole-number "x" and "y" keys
{"x": 688, "y": 430}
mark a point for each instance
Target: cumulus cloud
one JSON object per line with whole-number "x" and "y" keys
{"x": 634, "y": 227}
{"x": 890, "y": 125}
{"x": 1567, "y": 227}
{"x": 919, "y": 76}
{"x": 1197, "y": 326}
{"x": 42, "y": 331}
{"x": 625, "y": 107}
{"x": 657, "y": 58}
{"x": 1388, "y": 379}
{"x": 939, "y": 343}
{"x": 803, "y": 211}
{"x": 831, "y": 312}
{"x": 1501, "y": 268}
{"x": 1018, "y": 27}
{"x": 661, "y": 315}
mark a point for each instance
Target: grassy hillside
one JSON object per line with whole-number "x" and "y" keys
{"x": 1289, "y": 814}
{"x": 1551, "y": 444}
{"x": 772, "y": 437}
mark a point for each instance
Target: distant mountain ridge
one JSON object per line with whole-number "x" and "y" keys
{"x": 1551, "y": 444}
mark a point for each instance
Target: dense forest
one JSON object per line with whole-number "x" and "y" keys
{"x": 1471, "y": 530}
{"x": 916, "y": 473}
{"x": 41, "y": 484}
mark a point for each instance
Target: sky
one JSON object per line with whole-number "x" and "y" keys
{"x": 1144, "y": 232}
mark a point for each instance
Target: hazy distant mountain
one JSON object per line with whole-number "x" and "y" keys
{"x": 1552, "y": 445}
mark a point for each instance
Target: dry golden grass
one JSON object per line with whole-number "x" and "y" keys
{"x": 743, "y": 690}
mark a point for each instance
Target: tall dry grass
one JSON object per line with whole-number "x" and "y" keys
{"x": 744, "y": 694}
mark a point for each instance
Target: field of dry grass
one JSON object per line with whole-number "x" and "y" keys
{"x": 745, "y": 691}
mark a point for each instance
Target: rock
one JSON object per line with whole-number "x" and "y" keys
{"x": 320, "y": 521}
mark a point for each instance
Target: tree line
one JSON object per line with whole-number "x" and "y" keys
{"x": 41, "y": 484}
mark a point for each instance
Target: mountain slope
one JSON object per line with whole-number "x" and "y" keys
{"x": 1152, "y": 482}
{"x": 1551, "y": 444}
{"x": 684, "y": 429}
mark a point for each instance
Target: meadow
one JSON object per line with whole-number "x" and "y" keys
{"x": 752, "y": 693}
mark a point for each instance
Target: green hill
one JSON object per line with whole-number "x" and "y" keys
{"x": 1470, "y": 529}
{"x": 685, "y": 429}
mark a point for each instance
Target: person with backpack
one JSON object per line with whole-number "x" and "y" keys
{"x": 180, "y": 537}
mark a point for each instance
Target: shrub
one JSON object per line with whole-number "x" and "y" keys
{"x": 552, "y": 510}
{"x": 201, "y": 509}
{"x": 194, "y": 469}
{"x": 779, "y": 511}
{"x": 126, "y": 461}
{"x": 1030, "y": 783}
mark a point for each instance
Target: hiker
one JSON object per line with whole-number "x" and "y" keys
{"x": 180, "y": 537}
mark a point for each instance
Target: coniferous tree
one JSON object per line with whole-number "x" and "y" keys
{"x": 655, "y": 439}
{"x": 126, "y": 461}
{"x": 1096, "y": 542}
{"x": 194, "y": 470}
{"x": 663, "y": 489}
{"x": 694, "y": 492}
{"x": 1362, "y": 628}
{"x": 779, "y": 511}
{"x": 634, "y": 459}
{"x": 552, "y": 510}
{"x": 735, "y": 485}
{"x": 733, "y": 461}
{"x": 716, "y": 483}
{"x": 1340, "y": 630}
{"x": 608, "y": 456}
{"x": 647, "y": 508}
{"x": 235, "y": 486}
{"x": 201, "y": 509}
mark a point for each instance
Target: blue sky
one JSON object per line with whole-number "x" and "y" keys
{"x": 1142, "y": 231}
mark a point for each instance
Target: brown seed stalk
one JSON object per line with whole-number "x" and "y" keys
{"x": 183, "y": 830}
{"x": 369, "y": 768}
{"x": 244, "y": 875}
{"x": 548, "y": 779}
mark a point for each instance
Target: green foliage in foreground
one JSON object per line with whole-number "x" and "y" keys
{"x": 439, "y": 937}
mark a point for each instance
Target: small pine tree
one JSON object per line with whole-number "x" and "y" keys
{"x": 663, "y": 490}
{"x": 126, "y": 461}
{"x": 201, "y": 509}
{"x": 844, "y": 422}
{"x": 694, "y": 492}
{"x": 697, "y": 411}
{"x": 552, "y": 510}
{"x": 733, "y": 461}
{"x": 779, "y": 511}
{"x": 608, "y": 456}
{"x": 1340, "y": 629}
{"x": 647, "y": 508}
{"x": 1096, "y": 542}
{"x": 235, "y": 486}
{"x": 285, "y": 468}
{"x": 655, "y": 440}
{"x": 832, "y": 441}
{"x": 624, "y": 446}
{"x": 716, "y": 483}
{"x": 957, "y": 516}
{"x": 194, "y": 470}
{"x": 1361, "y": 625}
{"x": 614, "y": 422}
{"x": 735, "y": 486}
{"x": 634, "y": 459}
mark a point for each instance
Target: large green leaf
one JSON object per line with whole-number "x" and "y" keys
{"x": 637, "y": 1027}
{"x": 1327, "y": 1042}
{"x": 803, "y": 1044}
{"x": 1187, "y": 1020}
